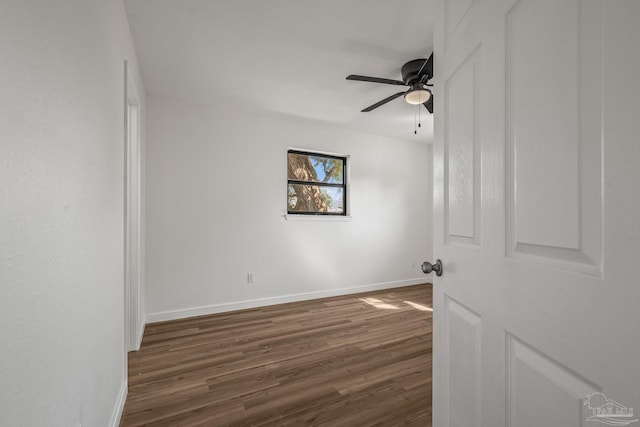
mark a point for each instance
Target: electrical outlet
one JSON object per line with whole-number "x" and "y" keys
{"x": 251, "y": 277}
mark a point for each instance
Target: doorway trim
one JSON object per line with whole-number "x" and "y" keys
{"x": 134, "y": 296}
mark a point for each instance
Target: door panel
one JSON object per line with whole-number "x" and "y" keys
{"x": 535, "y": 381}
{"x": 536, "y": 207}
{"x": 553, "y": 134}
{"x": 463, "y": 372}
{"x": 462, "y": 152}
{"x": 543, "y": 120}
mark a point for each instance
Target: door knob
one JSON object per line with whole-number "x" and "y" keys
{"x": 427, "y": 267}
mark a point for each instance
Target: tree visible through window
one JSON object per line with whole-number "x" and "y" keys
{"x": 316, "y": 184}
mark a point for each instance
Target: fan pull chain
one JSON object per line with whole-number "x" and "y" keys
{"x": 419, "y": 115}
{"x": 415, "y": 129}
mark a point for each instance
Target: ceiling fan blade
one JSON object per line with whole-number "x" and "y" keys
{"x": 384, "y": 101}
{"x": 426, "y": 71}
{"x": 374, "y": 80}
{"x": 429, "y": 104}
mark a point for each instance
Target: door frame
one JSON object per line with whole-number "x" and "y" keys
{"x": 134, "y": 297}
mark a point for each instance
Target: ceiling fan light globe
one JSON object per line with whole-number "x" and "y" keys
{"x": 417, "y": 96}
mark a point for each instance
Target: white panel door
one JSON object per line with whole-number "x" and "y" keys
{"x": 537, "y": 213}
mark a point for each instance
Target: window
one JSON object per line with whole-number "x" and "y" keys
{"x": 317, "y": 184}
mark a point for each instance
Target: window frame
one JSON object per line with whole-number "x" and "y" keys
{"x": 344, "y": 185}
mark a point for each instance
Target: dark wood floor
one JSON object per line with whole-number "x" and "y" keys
{"x": 356, "y": 360}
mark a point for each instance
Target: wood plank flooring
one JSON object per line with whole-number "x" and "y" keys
{"x": 356, "y": 360}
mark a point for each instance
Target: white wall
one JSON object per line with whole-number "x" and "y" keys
{"x": 61, "y": 211}
{"x": 216, "y": 199}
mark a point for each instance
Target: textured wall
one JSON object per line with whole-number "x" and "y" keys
{"x": 61, "y": 211}
{"x": 216, "y": 198}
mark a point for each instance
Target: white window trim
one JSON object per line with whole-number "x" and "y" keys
{"x": 320, "y": 218}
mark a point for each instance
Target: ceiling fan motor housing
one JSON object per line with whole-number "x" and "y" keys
{"x": 411, "y": 69}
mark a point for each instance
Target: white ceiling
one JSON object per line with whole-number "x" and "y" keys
{"x": 286, "y": 56}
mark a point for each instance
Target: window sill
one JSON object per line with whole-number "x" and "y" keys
{"x": 320, "y": 218}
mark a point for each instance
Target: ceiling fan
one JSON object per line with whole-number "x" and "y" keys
{"x": 415, "y": 74}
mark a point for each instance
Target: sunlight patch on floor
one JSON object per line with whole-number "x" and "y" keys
{"x": 375, "y": 302}
{"x": 418, "y": 306}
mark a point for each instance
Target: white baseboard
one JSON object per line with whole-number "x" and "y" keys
{"x": 140, "y": 334}
{"x": 241, "y": 305}
{"x": 116, "y": 415}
